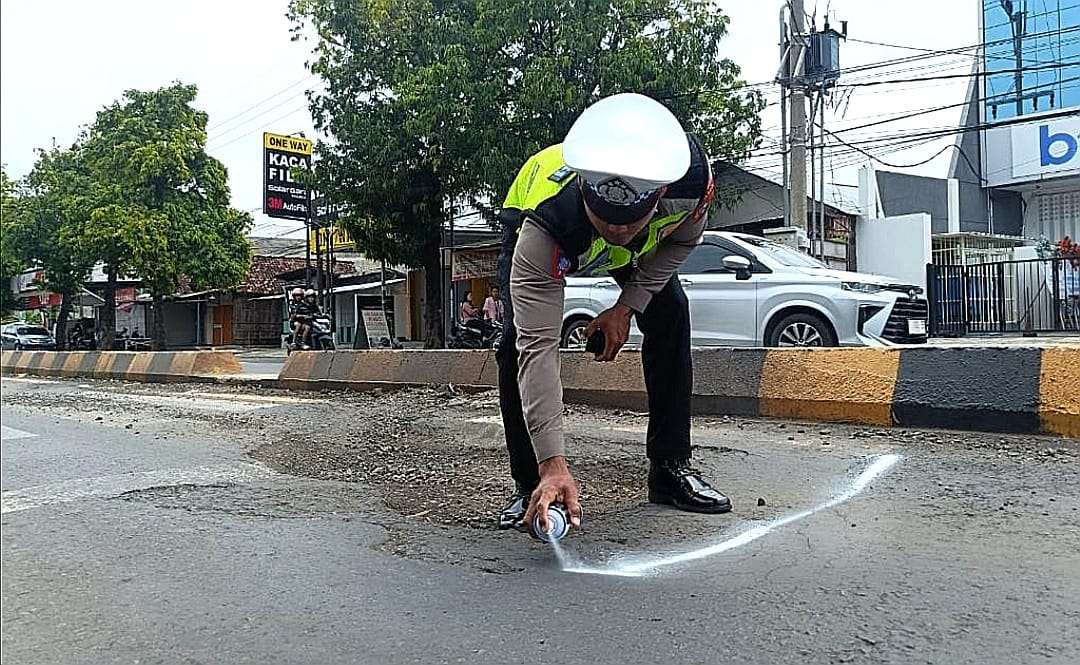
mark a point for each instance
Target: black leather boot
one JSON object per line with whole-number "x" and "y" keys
{"x": 676, "y": 483}
{"x": 513, "y": 514}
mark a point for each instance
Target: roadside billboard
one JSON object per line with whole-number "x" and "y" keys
{"x": 328, "y": 235}
{"x": 283, "y": 196}
{"x": 1031, "y": 151}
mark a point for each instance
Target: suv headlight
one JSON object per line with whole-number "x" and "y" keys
{"x": 861, "y": 287}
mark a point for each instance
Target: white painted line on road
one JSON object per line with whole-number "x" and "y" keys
{"x": 11, "y": 434}
{"x": 115, "y": 485}
{"x": 225, "y": 403}
{"x": 24, "y": 379}
{"x": 641, "y": 566}
{"x": 631, "y": 429}
{"x": 269, "y": 399}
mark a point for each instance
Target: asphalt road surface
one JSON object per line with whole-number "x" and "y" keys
{"x": 180, "y": 524}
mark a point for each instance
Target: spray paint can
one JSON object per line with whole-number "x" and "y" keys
{"x": 558, "y": 520}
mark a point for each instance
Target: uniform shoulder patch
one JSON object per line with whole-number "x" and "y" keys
{"x": 562, "y": 174}
{"x": 560, "y": 264}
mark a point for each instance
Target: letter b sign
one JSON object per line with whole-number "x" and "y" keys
{"x": 1049, "y": 144}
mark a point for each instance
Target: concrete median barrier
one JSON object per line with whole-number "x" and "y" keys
{"x": 155, "y": 366}
{"x": 999, "y": 389}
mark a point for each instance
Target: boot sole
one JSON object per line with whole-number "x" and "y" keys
{"x": 666, "y": 500}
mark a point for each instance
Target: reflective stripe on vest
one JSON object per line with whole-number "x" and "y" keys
{"x": 543, "y": 176}
{"x": 604, "y": 257}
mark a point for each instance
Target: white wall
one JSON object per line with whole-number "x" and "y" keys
{"x": 401, "y": 310}
{"x": 895, "y": 246}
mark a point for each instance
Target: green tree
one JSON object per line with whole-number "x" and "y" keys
{"x": 10, "y": 262}
{"x": 161, "y": 204}
{"x": 47, "y": 223}
{"x": 432, "y": 103}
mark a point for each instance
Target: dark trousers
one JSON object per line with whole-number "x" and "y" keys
{"x": 665, "y": 358}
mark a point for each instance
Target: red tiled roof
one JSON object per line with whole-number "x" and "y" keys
{"x": 262, "y": 278}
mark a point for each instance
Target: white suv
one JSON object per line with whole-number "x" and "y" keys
{"x": 748, "y": 291}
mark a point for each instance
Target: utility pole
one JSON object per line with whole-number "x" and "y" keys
{"x": 797, "y": 113}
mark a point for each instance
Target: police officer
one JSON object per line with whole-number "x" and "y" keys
{"x": 624, "y": 195}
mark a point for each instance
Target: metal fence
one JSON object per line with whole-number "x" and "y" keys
{"x": 1035, "y": 295}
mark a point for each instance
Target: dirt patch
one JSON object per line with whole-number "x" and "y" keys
{"x": 437, "y": 465}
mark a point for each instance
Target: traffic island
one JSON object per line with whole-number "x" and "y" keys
{"x": 995, "y": 389}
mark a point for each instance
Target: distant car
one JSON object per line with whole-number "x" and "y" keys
{"x": 746, "y": 290}
{"x": 22, "y": 336}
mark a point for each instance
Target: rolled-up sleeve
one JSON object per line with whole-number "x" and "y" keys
{"x": 537, "y": 295}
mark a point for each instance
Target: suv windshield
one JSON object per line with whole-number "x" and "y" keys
{"x": 32, "y": 330}
{"x": 783, "y": 253}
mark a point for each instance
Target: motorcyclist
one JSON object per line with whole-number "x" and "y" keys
{"x": 301, "y": 313}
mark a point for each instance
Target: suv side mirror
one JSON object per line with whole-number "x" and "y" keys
{"x": 739, "y": 265}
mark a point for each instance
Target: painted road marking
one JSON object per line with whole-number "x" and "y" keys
{"x": 11, "y": 434}
{"x": 630, "y": 429}
{"x": 224, "y": 403}
{"x": 115, "y": 485}
{"x": 640, "y": 566}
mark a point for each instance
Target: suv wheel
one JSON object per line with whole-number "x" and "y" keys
{"x": 573, "y": 336}
{"x": 795, "y": 330}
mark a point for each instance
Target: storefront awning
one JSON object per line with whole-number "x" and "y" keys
{"x": 350, "y": 288}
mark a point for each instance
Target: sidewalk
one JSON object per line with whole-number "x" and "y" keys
{"x": 1045, "y": 341}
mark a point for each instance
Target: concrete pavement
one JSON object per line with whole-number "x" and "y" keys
{"x": 172, "y": 524}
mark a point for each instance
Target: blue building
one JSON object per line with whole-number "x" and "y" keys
{"x": 1016, "y": 169}
{"x": 1024, "y": 115}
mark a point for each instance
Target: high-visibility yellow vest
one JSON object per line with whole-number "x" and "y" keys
{"x": 544, "y": 176}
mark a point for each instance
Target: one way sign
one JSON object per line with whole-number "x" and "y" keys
{"x": 284, "y": 196}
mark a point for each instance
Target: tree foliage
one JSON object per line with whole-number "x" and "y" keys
{"x": 428, "y": 103}
{"x": 46, "y": 229}
{"x": 159, "y": 204}
{"x": 11, "y": 263}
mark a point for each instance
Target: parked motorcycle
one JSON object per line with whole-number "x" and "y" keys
{"x": 322, "y": 339}
{"x": 475, "y": 334}
{"x": 80, "y": 337}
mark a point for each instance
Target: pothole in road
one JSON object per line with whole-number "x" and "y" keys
{"x": 290, "y": 502}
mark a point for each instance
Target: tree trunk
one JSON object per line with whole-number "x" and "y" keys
{"x": 157, "y": 342}
{"x": 108, "y": 312}
{"x": 62, "y": 321}
{"x": 433, "y": 312}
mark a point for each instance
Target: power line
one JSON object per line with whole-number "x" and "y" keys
{"x": 260, "y": 102}
{"x": 882, "y": 161}
{"x": 943, "y": 77}
{"x": 864, "y": 67}
{"x": 945, "y": 107}
{"x": 249, "y": 133}
{"x": 256, "y": 117}
{"x": 936, "y": 134}
{"x": 955, "y": 51}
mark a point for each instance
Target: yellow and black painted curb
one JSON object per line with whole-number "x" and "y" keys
{"x": 996, "y": 389}
{"x": 153, "y": 366}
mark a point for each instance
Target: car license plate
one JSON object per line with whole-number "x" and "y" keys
{"x": 916, "y": 326}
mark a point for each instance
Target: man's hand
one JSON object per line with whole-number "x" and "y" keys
{"x": 615, "y": 324}
{"x": 556, "y": 486}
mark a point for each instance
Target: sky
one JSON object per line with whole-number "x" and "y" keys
{"x": 63, "y": 60}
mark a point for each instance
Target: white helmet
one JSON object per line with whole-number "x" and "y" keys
{"x": 625, "y": 147}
